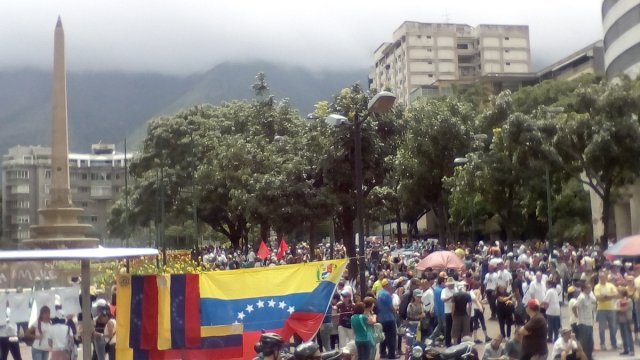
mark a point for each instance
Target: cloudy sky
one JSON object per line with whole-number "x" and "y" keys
{"x": 186, "y": 36}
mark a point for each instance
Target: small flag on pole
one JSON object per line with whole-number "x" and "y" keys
{"x": 263, "y": 252}
{"x": 282, "y": 250}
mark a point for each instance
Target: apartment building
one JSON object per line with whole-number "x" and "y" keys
{"x": 96, "y": 179}
{"x": 621, "y": 25}
{"x": 425, "y": 55}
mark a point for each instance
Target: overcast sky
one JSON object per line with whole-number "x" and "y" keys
{"x": 186, "y": 36}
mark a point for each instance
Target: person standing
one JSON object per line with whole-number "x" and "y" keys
{"x": 534, "y": 334}
{"x": 327, "y": 327}
{"x": 40, "y": 347}
{"x": 625, "y": 317}
{"x": 61, "y": 338}
{"x": 551, "y": 303}
{"x": 9, "y": 342}
{"x": 345, "y": 310}
{"x": 415, "y": 316}
{"x": 606, "y": 294}
{"x": 387, "y": 318}
{"x": 362, "y": 326}
{"x": 461, "y": 319}
{"x": 585, "y": 307}
{"x": 491, "y": 283}
{"x": 537, "y": 289}
{"x": 477, "y": 321}
{"x": 447, "y": 300}
{"x": 438, "y": 309}
{"x": 505, "y": 310}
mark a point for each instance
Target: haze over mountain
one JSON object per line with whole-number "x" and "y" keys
{"x": 107, "y": 106}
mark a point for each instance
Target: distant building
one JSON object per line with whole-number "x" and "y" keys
{"x": 422, "y": 56}
{"x": 96, "y": 180}
{"x": 588, "y": 60}
{"x": 621, "y": 25}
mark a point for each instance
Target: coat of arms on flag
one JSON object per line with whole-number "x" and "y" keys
{"x": 220, "y": 315}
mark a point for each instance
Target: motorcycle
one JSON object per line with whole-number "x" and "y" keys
{"x": 463, "y": 351}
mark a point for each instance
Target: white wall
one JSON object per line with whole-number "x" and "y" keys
{"x": 516, "y": 55}
{"x": 446, "y": 54}
{"x": 419, "y": 40}
{"x": 491, "y": 55}
{"x": 421, "y": 66}
{"x": 490, "y": 41}
{"x": 446, "y": 67}
{"x": 515, "y": 42}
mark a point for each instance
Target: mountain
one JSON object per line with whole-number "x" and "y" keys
{"x": 109, "y": 106}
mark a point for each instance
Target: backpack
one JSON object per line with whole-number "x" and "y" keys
{"x": 30, "y": 336}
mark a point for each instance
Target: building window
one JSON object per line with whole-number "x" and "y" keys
{"x": 430, "y": 62}
{"x": 430, "y": 75}
{"x": 419, "y": 36}
{"x": 23, "y": 234}
{"x": 506, "y": 50}
{"x": 84, "y": 176}
{"x": 22, "y": 204}
{"x": 20, "y": 189}
{"x": 22, "y": 219}
{"x": 463, "y": 46}
{"x": 22, "y": 174}
{"x": 94, "y": 219}
{"x": 83, "y": 163}
{"x": 506, "y": 38}
{"x": 429, "y": 49}
{"x": 84, "y": 189}
{"x": 84, "y": 204}
{"x": 508, "y": 63}
{"x": 47, "y": 174}
{"x": 28, "y": 159}
{"x": 428, "y": 36}
{"x": 47, "y": 188}
{"x": 116, "y": 189}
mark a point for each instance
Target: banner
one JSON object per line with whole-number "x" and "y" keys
{"x": 221, "y": 314}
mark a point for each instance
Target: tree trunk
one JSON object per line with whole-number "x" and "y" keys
{"x": 312, "y": 240}
{"x": 347, "y": 217}
{"x": 399, "y": 227}
{"x": 265, "y": 229}
{"x": 606, "y": 211}
{"x": 509, "y": 233}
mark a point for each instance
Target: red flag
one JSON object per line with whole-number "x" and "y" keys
{"x": 282, "y": 250}
{"x": 263, "y": 252}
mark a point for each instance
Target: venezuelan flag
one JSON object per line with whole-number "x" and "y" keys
{"x": 220, "y": 315}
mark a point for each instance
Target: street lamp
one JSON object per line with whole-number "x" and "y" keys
{"x": 381, "y": 102}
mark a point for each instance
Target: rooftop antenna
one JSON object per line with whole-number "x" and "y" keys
{"x": 447, "y": 16}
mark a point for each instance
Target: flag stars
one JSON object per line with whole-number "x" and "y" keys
{"x": 272, "y": 303}
{"x": 291, "y": 310}
{"x": 282, "y": 305}
{"x": 260, "y": 304}
{"x": 249, "y": 309}
{"x": 241, "y": 315}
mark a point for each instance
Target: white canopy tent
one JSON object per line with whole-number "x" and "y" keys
{"x": 85, "y": 256}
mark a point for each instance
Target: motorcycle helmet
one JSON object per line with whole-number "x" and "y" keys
{"x": 306, "y": 350}
{"x": 270, "y": 343}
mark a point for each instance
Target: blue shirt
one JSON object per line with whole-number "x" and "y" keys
{"x": 385, "y": 307}
{"x": 437, "y": 300}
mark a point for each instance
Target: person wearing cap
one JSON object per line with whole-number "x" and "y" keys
{"x": 345, "y": 311}
{"x": 565, "y": 348}
{"x": 387, "y": 317}
{"x": 415, "y": 316}
{"x": 534, "y": 333}
{"x": 447, "y": 299}
{"x": 572, "y": 294}
{"x": 60, "y": 337}
{"x": 607, "y": 294}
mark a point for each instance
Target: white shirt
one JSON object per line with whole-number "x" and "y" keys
{"x": 553, "y": 300}
{"x": 448, "y": 305}
{"x": 43, "y": 342}
{"x": 59, "y": 335}
{"x": 504, "y": 278}
{"x": 585, "y": 307}
{"x": 491, "y": 281}
{"x": 474, "y": 307}
{"x": 537, "y": 290}
{"x": 428, "y": 300}
{"x": 560, "y": 345}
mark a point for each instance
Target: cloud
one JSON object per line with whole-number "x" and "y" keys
{"x": 191, "y": 36}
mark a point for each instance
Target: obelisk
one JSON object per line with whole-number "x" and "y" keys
{"x": 60, "y": 194}
{"x": 58, "y": 226}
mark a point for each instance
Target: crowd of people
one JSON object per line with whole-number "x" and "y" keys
{"x": 525, "y": 292}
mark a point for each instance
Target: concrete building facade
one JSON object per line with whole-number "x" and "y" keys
{"x": 96, "y": 180}
{"x": 423, "y": 54}
{"x": 621, "y": 26}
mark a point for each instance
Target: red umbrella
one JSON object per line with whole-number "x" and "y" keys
{"x": 440, "y": 260}
{"x": 629, "y": 246}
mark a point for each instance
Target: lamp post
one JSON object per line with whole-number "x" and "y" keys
{"x": 381, "y": 102}
{"x": 461, "y": 161}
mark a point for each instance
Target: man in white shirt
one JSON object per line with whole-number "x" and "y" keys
{"x": 565, "y": 346}
{"x": 491, "y": 283}
{"x": 447, "y": 299}
{"x": 504, "y": 277}
{"x": 585, "y": 307}
{"x": 536, "y": 290}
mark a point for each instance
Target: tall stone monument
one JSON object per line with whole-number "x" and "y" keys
{"x": 58, "y": 226}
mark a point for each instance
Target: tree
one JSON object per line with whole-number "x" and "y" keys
{"x": 438, "y": 131}
{"x": 598, "y": 139}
